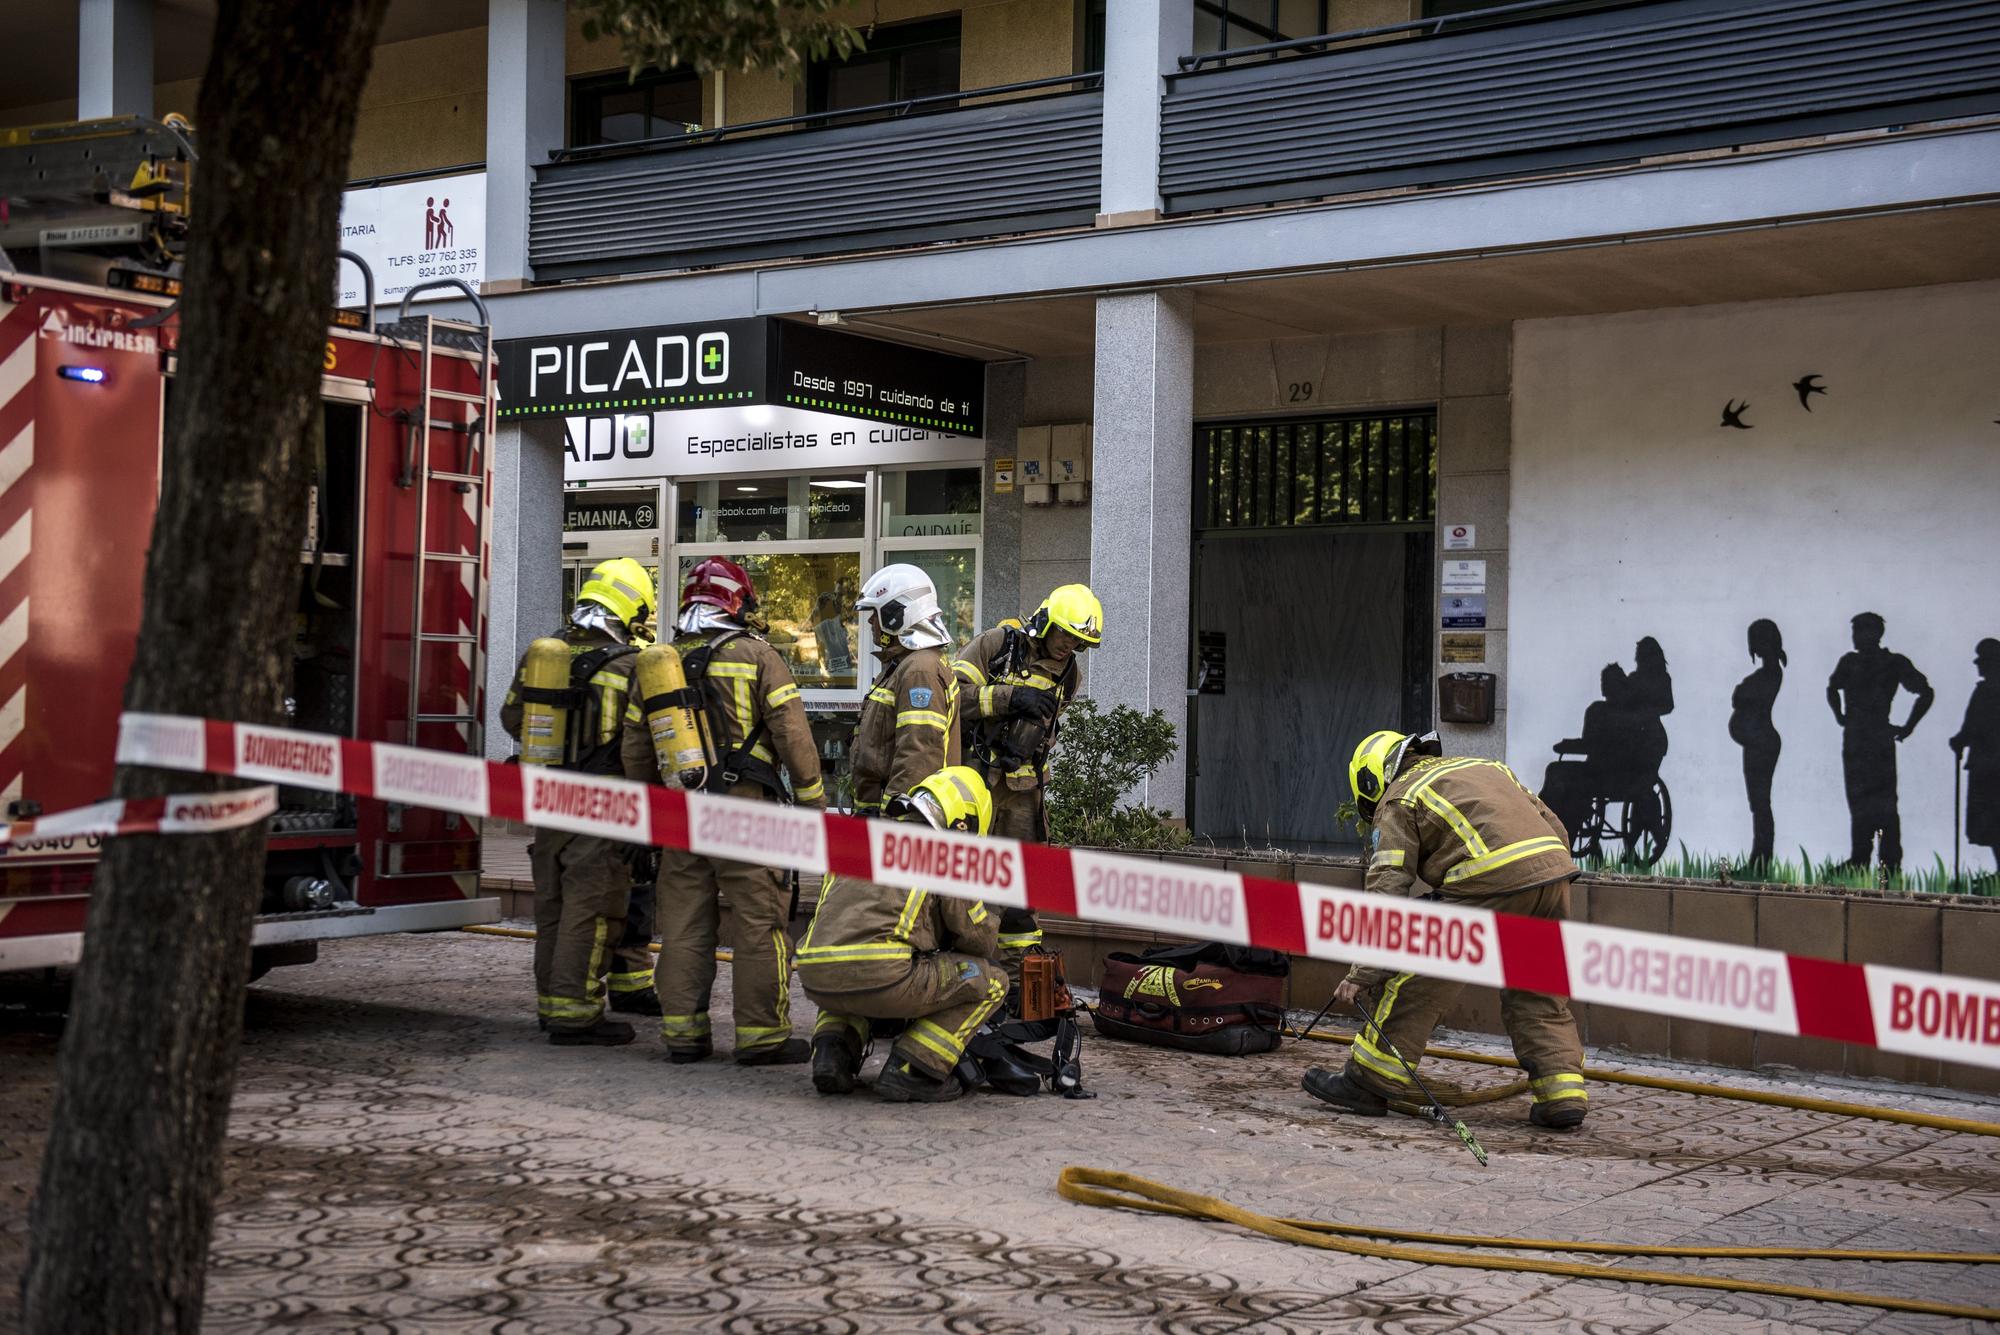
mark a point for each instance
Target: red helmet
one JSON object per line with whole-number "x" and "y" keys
{"x": 720, "y": 582}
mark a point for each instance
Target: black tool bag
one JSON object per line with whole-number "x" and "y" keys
{"x": 1227, "y": 1000}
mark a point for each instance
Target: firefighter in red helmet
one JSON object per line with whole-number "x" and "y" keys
{"x": 756, "y": 719}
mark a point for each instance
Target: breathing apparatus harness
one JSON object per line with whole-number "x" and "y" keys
{"x": 1012, "y": 742}
{"x": 581, "y": 703}
{"x": 740, "y": 764}
{"x": 996, "y": 1054}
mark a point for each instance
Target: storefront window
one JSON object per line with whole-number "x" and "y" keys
{"x": 955, "y": 572}
{"x": 931, "y": 502}
{"x": 808, "y": 599}
{"x": 773, "y": 509}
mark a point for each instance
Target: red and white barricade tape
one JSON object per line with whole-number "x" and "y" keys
{"x": 1897, "y": 1010}
{"x": 177, "y": 813}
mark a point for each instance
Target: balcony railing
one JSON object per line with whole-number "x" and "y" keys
{"x": 985, "y": 162}
{"x": 1462, "y": 101}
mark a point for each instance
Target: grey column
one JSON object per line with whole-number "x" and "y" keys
{"x": 524, "y": 120}
{"x": 526, "y": 579}
{"x": 1000, "y": 522}
{"x": 1143, "y": 39}
{"x": 114, "y": 58}
{"x": 1140, "y": 494}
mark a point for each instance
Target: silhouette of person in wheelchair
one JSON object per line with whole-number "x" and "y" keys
{"x": 1607, "y": 786}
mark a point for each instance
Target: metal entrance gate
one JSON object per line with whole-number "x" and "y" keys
{"x": 1312, "y": 610}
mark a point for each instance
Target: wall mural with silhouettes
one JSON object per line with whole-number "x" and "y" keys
{"x": 1768, "y": 634}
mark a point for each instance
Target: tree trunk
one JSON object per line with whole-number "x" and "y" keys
{"x": 122, "y": 1220}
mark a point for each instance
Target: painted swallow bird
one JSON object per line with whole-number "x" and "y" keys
{"x": 1732, "y": 415}
{"x": 1807, "y": 386}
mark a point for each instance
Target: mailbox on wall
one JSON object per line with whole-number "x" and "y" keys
{"x": 1466, "y": 697}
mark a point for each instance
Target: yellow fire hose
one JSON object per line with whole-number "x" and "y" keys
{"x": 1124, "y": 1191}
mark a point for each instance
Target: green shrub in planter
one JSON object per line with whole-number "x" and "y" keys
{"x": 1100, "y": 757}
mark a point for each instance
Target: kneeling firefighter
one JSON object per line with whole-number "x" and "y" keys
{"x": 747, "y": 719}
{"x": 565, "y": 709}
{"x": 1468, "y": 827}
{"x": 1013, "y": 682}
{"x": 874, "y": 953}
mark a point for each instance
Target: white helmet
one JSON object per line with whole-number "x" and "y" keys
{"x": 905, "y": 605}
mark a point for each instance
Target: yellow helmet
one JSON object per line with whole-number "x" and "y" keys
{"x": 621, "y": 586}
{"x": 955, "y": 798}
{"x": 1073, "y": 608}
{"x": 1373, "y": 766}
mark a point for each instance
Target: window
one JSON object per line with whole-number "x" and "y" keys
{"x": 617, "y": 109}
{"x": 903, "y": 61}
{"x": 1291, "y": 473}
{"x": 1228, "y": 25}
{"x": 931, "y": 502}
{"x": 807, "y": 598}
{"x": 774, "y": 509}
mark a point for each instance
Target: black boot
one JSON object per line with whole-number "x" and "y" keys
{"x": 1559, "y": 1115}
{"x": 902, "y": 1082}
{"x": 836, "y": 1065}
{"x": 640, "y": 1001}
{"x": 699, "y": 1052}
{"x": 791, "y": 1052}
{"x": 603, "y": 1034}
{"x": 1336, "y": 1088}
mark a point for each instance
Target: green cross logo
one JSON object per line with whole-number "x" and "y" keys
{"x": 711, "y": 358}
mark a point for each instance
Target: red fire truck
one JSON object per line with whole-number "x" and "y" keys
{"x": 390, "y": 621}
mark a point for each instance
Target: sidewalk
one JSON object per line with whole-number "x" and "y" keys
{"x": 407, "y": 1152}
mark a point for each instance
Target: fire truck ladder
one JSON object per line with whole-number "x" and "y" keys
{"x": 430, "y": 334}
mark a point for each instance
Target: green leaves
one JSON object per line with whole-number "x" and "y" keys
{"x": 1101, "y": 757}
{"x": 741, "y": 35}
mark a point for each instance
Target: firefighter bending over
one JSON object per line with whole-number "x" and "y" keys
{"x": 1469, "y": 828}
{"x": 908, "y": 729}
{"x": 873, "y": 952}
{"x": 1013, "y": 682}
{"x": 751, "y": 711}
{"x": 565, "y": 709}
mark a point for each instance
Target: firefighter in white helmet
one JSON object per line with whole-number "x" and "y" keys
{"x": 583, "y": 883}
{"x": 1013, "y": 682}
{"x": 908, "y": 728}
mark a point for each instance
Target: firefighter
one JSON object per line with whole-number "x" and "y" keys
{"x": 583, "y": 883}
{"x": 908, "y": 729}
{"x": 1013, "y": 682}
{"x": 876, "y": 953}
{"x": 1469, "y": 828}
{"x": 756, "y": 717}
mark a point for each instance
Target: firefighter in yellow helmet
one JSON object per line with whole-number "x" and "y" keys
{"x": 1013, "y": 682}
{"x": 1468, "y": 829}
{"x": 874, "y": 952}
{"x": 908, "y": 729}
{"x": 583, "y": 883}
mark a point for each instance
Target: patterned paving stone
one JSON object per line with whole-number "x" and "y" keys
{"x": 406, "y": 1154}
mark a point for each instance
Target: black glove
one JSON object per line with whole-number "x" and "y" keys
{"x": 1033, "y": 702}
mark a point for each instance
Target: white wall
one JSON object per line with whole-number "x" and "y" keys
{"x": 1634, "y": 512}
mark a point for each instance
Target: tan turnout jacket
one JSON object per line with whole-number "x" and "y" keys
{"x": 982, "y": 696}
{"x": 1467, "y": 828}
{"x": 908, "y": 728}
{"x": 864, "y": 936}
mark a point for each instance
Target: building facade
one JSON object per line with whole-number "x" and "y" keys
{"x": 1607, "y": 384}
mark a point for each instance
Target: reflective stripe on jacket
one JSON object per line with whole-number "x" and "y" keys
{"x": 864, "y": 936}
{"x": 1468, "y": 828}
